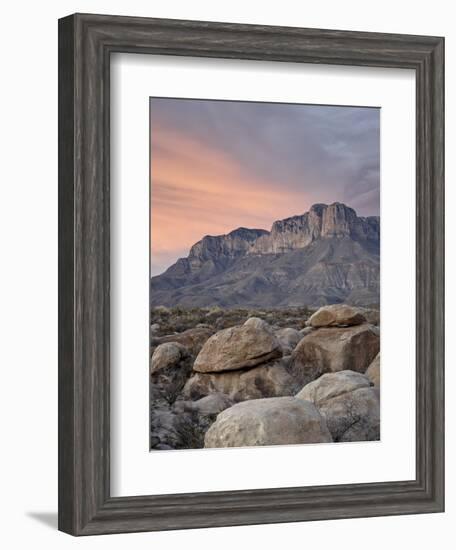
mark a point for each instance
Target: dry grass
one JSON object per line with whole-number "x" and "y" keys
{"x": 178, "y": 319}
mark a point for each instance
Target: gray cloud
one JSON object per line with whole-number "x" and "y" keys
{"x": 331, "y": 153}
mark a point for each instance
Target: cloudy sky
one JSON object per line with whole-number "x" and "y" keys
{"x": 219, "y": 165}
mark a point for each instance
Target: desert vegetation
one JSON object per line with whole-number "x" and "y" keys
{"x": 165, "y": 321}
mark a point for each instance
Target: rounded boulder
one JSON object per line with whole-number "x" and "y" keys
{"x": 273, "y": 421}
{"x": 337, "y": 315}
{"x": 236, "y": 348}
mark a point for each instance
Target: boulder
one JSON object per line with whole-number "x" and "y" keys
{"x": 273, "y": 421}
{"x": 373, "y": 371}
{"x": 269, "y": 380}
{"x": 337, "y": 315}
{"x": 193, "y": 339}
{"x": 350, "y": 405}
{"x": 332, "y": 385}
{"x": 334, "y": 349}
{"x": 236, "y": 348}
{"x": 256, "y": 322}
{"x": 354, "y": 416}
{"x": 170, "y": 367}
{"x": 288, "y": 339}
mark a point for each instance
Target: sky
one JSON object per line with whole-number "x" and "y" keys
{"x": 220, "y": 165}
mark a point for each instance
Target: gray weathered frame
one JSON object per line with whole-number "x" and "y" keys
{"x": 85, "y": 45}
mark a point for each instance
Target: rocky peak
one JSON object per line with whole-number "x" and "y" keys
{"x": 230, "y": 246}
{"x": 214, "y": 254}
{"x": 337, "y": 220}
{"x": 322, "y": 221}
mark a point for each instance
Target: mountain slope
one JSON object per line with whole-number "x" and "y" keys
{"x": 324, "y": 256}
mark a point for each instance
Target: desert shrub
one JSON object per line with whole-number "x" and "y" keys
{"x": 179, "y": 319}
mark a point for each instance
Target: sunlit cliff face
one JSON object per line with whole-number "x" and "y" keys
{"x": 216, "y": 166}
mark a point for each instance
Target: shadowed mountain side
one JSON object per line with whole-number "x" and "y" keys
{"x": 328, "y": 255}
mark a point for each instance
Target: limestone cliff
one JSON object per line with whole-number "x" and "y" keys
{"x": 326, "y": 255}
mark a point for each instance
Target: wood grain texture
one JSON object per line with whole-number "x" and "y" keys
{"x": 85, "y": 45}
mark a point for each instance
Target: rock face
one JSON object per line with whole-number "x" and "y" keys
{"x": 275, "y": 421}
{"x": 350, "y": 406}
{"x": 337, "y": 315}
{"x": 334, "y": 349}
{"x": 324, "y": 256}
{"x": 271, "y": 380}
{"x": 237, "y": 348}
{"x": 322, "y": 221}
{"x": 212, "y": 255}
{"x": 373, "y": 371}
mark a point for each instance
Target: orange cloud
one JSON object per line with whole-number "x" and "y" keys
{"x": 197, "y": 190}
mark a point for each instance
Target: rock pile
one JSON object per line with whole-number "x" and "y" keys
{"x": 342, "y": 340}
{"x": 259, "y": 384}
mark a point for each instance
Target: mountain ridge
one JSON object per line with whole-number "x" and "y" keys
{"x": 326, "y": 255}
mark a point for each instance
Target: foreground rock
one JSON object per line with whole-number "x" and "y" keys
{"x": 237, "y": 348}
{"x": 334, "y": 349}
{"x": 170, "y": 367}
{"x": 274, "y": 421}
{"x": 350, "y": 405}
{"x": 337, "y": 315}
{"x": 271, "y": 380}
{"x": 373, "y": 371}
{"x": 333, "y": 385}
{"x": 193, "y": 339}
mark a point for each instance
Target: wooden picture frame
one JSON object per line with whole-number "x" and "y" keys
{"x": 85, "y": 45}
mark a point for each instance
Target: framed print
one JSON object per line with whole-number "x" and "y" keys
{"x": 250, "y": 274}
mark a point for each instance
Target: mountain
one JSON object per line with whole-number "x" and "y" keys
{"x": 324, "y": 256}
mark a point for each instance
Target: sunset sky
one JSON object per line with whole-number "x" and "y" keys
{"x": 220, "y": 165}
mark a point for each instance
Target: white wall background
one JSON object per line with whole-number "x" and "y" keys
{"x": 28, "y": 253}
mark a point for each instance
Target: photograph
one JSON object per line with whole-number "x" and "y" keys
{"x": 264, "y": 273}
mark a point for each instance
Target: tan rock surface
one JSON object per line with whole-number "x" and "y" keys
{"x": 274, "y": 421}
{"x": 332, "y": 350}
{"x": 236, "y": 348}
{"x": 336, "y": 315}
{"x": 269, "y": 380}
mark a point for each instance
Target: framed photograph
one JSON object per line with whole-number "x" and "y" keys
{"x": 251, "y": 274}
